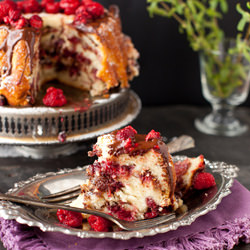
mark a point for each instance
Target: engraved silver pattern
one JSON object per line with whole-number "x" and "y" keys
{"x": 224, "y": 175}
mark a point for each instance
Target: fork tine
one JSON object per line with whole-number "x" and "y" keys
{"x": 62, "y": 197}
{"x": 61, "y": 193}
{"x": 153, "y": 222}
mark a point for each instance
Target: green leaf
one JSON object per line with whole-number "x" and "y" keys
{"x": 241, "y": 24}
{"x": 224, "y": 6}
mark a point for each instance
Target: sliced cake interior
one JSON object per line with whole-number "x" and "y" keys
{"x": 133, "y": 178}
{"x": 93, "y": 57}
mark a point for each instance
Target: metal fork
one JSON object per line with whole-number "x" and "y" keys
{"x": 177, "y": 144}
{"x": 126, "y": 225}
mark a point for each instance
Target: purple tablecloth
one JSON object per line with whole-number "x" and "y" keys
{"x": 219, "y": 229}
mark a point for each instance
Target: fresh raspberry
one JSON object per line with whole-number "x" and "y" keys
{"x": 203, "y": 180}
{"x": 21, "y": 23}
{"x": 69, "y": 11}
{"x": 45, "y": 2}
{"x": 128, "y": 143}
{"x": 85, "y": 2}
{"x": 36, "y": 22}
{"x": 19, "y": 6}
{"x": 153, "y": 135}
{"x": 69, "y": 6}
{"x": 31, "y": 6}
{"x": 80, "y": 19}
{"x": 95, "y": 9}
{"x": 5, "y": 7}
{"x": 7, "y": 20}
{"x": 52, "y": 7}
{"x": 14, "y": 15}
{"x": 81, "y": 11}
{"x": 54, "y": 98}
{"x": 99, "y": 224}
{"x": 125, "y": 133}
{"x": 69, "y": 218}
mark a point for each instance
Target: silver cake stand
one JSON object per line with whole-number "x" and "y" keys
{"x": 35, "y": 131}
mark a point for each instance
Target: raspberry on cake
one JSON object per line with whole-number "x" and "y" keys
{"x": 80, "y": 44}
{"x": 133, "y": 178}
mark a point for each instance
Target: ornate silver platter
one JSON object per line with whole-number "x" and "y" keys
{"x": 81, "y": 119}
{"x": 43, "y": 184}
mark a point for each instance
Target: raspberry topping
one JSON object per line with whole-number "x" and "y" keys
{"x": 54, "y": 98}
{"x": 127, "y": 132}
{"x": 45, "y": 2}
{"x": 204, "y": 180}
{"x": 36, "y": 22}
{"x": 5, "y": 7}
{"x": 52, "y": 7}
{"x": 30, "y": 6}
{"x": 69, "y": 6}
{"x": 94, "y": 9}
{"x": 153, "y": 135}
{"x": 21, "y": 22}
{"x": 69, "y": 218}
{"x": 14, "y": 15}
{"x": 99, "y": 224}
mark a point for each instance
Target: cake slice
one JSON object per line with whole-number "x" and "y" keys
{"x": 134, "y": 177}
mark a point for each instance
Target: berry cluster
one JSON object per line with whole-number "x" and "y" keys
{"x": 54, "y": 98}
{"x": 153, "y": 135}
{"x": 84, "y": 11}
{"x": 127, "y": 136}
{"x": 11, "y": 14}
{"x": 125, "y": 133}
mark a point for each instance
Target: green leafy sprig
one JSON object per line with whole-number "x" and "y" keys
{"x": 199, "y": 19}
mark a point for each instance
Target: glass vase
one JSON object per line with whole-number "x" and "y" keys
{"x": 225, "y": 79}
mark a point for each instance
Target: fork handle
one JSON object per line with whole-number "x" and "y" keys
{"x": 26, "y": 201}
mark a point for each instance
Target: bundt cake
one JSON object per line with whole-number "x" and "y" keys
{"x": 80, "y": 44}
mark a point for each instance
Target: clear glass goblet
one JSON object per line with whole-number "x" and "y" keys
{"x": 225, "y": 78}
